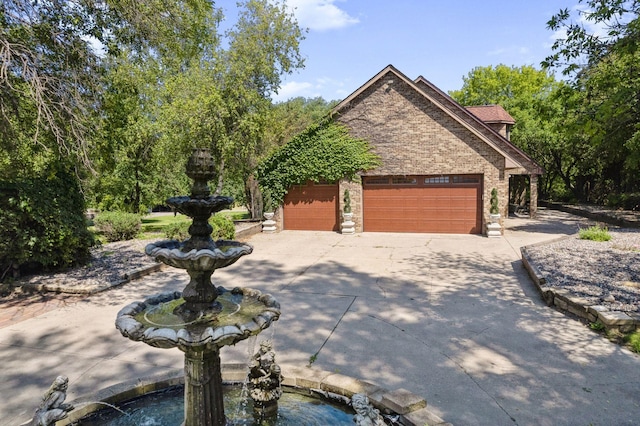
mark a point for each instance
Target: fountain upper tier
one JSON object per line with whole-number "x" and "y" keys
{"x": 200, "y": 205}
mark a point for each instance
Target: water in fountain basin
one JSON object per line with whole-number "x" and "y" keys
{"x": 166, "y": 409}
{"x": 236, "y": 309}
{"x": 243, "y": 403}
{"x": 106, "y": 404}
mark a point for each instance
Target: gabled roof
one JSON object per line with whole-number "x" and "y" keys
{"x": 514, "y": 157}
{"x": 491, "y": 114}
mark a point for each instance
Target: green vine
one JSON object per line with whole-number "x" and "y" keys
{"x": 323, "y": 151}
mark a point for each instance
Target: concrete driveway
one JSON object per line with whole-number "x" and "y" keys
{"x": 453, "y": 318}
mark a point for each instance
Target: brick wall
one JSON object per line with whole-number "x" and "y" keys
{"x": 415, "y": 137}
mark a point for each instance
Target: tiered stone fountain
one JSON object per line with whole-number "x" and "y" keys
{"x": 202, "y": 318}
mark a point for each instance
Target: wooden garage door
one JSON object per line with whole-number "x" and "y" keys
{"x": 437, "y": 204}
{"x": 312, "y": 207}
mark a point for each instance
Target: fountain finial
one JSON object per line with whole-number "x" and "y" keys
{"x": 201, "y": 204}
{"x": 200, "y": 168}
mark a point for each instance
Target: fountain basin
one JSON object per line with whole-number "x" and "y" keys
{"x": 409, "y": 409}
{"x": 243, "y": 312}
{"x": 165, "y": 408}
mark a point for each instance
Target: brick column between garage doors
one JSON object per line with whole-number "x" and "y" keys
{"x": 355, "y": 193}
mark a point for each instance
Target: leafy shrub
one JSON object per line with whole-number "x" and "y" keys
{"x": 177, "y": 231}
{"x": 118, "y": 226}
{"x": 347, "y": 201}
{"x": 595, "y": 233}
{"x": 42, "y": 223}
{"x": 223, "y": 228}
{"x": 626, "y": 201}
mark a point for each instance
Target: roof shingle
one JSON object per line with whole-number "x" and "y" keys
{"x": 491, "y": 114}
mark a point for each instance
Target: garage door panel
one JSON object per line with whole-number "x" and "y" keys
{"x": 441, "y": 208}
{"x": 312, "y": 207}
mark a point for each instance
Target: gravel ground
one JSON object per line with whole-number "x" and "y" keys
{"x": 109, "y": 263}
{"x": 604, "y": 273}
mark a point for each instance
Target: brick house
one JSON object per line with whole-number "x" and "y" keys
{"x": 440, "y": 162}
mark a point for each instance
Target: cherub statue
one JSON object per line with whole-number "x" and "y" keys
{"x": 366, "y": 415}
{"x": 52, "y": 408}
{"x": 264, "y": 378}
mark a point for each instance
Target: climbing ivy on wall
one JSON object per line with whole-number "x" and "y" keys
{"x": 324, "y": 151}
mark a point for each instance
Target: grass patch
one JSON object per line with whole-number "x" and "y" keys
{"x": 151, "y": 236}
{"x": 595, "y": 233}
{"x": 633, "y": 340}
{"x": 235, "y": 215}
{"x": 157, "y": 223}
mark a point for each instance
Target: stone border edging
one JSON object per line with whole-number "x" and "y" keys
{"x": 248, "y": 231}
{"x": 611, "y": 217}
{"x": 411, "y": 408}
{"x": 100, "y": 286}
{"x": 564, "y": 301}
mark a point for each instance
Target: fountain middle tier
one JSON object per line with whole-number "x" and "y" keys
{"x": 220, "y": 254}
{"x": 159, "y": 321}
{"x": 200, "y": 294}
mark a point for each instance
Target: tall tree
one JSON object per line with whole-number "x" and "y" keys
{"x": 529, "y": 96}
{"x": 223, "y": 100}
{"x": 517, "y": 89}
{"x": 48, "y": 81}
{"x": 600, "y": 51}
{"x": 128, "y": 155}
{"x": 593, "y": 32}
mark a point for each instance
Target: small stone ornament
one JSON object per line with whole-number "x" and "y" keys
{"x": 264, "y": 381}
{"x": 366, "y": 415}
{"x": 52, "y": 408}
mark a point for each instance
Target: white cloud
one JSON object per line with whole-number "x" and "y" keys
{"x": 292, "y": 89}
{"x": 320, "y": 15}
{"x": 512, "y": 55}
{"x": 307, "y": 89}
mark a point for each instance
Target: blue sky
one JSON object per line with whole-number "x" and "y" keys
{"x": 349, "y": 41}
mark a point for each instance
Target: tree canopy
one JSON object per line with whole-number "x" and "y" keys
{"x": 600, "y": 51}
{"x": 216, "y": 96}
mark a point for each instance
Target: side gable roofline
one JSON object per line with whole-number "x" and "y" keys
{"x": 455, "y": 111}
{"x": 524, "y": 159}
